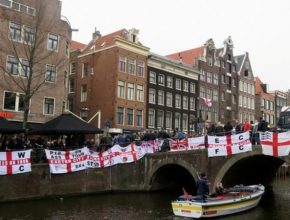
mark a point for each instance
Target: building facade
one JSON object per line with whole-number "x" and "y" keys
{"x": 111, "y": 78}
{"x": 280, "y": 102}
{"x": 246, "y": 108}
{"x": 172, "y": 94}
{"x": 264, "y": 102}
{"x": 34, "y": 59}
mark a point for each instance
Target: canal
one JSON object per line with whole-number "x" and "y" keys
{"x": 137, "y": 206}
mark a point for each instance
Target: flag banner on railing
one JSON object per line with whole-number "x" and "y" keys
{"x": 187, "y": 144}
{"x": 67, "y": 161}
{"x": 275, "y": 144}
{"x": 196, "y": 143}
{"x": 152, "y": 146}
{"x": 228, "y": 145}
{"x": 15, "y": 162}
{"x": 179, "y": 145}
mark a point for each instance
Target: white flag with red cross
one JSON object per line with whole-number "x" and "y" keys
{"x": 196, "y": 143}
{"x": 67, "y": 161}
{"x": 228, "y": 145}
{"x": 275, "y": 144}
{"x": 179, "y": 145}
{"x": 15, "y": 162}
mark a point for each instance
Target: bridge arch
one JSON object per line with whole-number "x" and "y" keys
{"x": 172, "y": 174}
{"x": 249, "y": 168}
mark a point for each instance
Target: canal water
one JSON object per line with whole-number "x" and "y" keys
{"x": 137, "y": 206}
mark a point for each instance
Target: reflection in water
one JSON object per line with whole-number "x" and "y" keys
{"x": 137, "y": 206}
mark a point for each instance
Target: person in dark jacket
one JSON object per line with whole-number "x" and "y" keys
{"x": 228, "y": 128}
{"x": 202, "y": 186}
{"x": 219, "y": 129}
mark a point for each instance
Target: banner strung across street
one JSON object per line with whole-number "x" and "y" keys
{"x": 275, "y": 144}
{"x": 228, "y": 145}
{"x": 15, "y": 162}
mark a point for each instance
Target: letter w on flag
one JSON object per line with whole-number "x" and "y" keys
{"x": 275, "y": 144}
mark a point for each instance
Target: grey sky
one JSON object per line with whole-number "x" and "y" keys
{"x": 260, "y": 27}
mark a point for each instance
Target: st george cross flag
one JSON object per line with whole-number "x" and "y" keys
{"x": 179, "y": 145}
{"x": 196, "y": 143}
{"x": 15, "y": 162}
{"x": 67, "y": 161}
{"x": 228, "y": 145}
{"x": 207, "y": 102}
{"x": 275, "y": 144}
{"x": 129, "y": 154}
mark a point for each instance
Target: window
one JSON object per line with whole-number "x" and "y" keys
{"x": 70, "y": 104}
{"x": 233, "y": 99}
{"x": 152, "y": 96}
{"x": 152, "y": 77}
{"x": 48, "y": 108}
{"x": 223, "y": 64}
{"x": 29, "y": 35}
{"x": 185, "y": 86}
{"x": 67, "y": 46}
{"x": 215, "y": 95}
{"x": 192, "y": 103}
{"x": 202, "y": 92}
{"x": 184, "y": 122}
{"x": 131, "y": 66}
{"x": 84, "y": 93}
{"x": 15, "y": 31}
{"x": 140, "y": 70}
{"x": 50, "y": 75}
{"x": 178, "y": 84}
{"x": 130, "y": 91}
{"x": 52, "y": 43}
{"x": 25, "y": 68}
{"x": 73, "y": 68}
{"x": 122, "y": 64}
{"x": 177, "y": 101}
{"x": 229, "y": 69}
{"x": 185, "y": 102}
{"x": 209, "y": 93}
{"x": 161, "y": 79}
{"x": 192, "y": 87}
{"x": 12, "y": 65}
{"x": 215, "y": 79}
{"x": 160, "y": 97}
{"x": 160, "y": 118}
{"x": 168, "y": 120}
{"x": 120, "y": 115}
{"x": 209, "y": 61}
{"x": 85, "y": 70}
{"x": 139, "y": 117}
{"x": 245, "y": 101}
{"x": 177, "y": 120}
{"x": 202, "y": 75}
{"x": 140, "y": 93}
{"x": 233, "y": 82}
{"x": 71, "y": 86}
{"x": 240, "y": 101}
{"x": 224, "y": 79}
{"x": 209, "y": 77}
{"x": 169, "y": 82}
{"x": 6, "y": 3}
{"x": 130, "y": 120}
{"x": 121, "y": 89}
{"x": 151, "y": 117}
{"x": 223, "y": 96}
{"x": 229, "y": 57}
{"x": 13, "y": 101}
{"x": 169, "y": 99}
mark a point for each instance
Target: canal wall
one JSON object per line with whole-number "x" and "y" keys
{"x": 41, "y": 184}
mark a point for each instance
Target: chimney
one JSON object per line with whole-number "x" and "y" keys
{"x": 96, "y": 34}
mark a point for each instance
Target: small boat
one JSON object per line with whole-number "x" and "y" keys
{"x": 236, "y": 199}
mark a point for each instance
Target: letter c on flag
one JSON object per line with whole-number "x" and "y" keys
{"x": 241, "y": 147}
{"x": 21, "y": 168}
{"x": 241, "y": 137}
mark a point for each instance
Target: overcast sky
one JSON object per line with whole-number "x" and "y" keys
{"x": 260, "y": 27}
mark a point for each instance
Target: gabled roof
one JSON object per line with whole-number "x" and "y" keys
{"x": 188, "y": 56}
{"x": 240, "y": 59}
{"x": 74, "y": 45}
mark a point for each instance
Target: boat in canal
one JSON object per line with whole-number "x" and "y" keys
{"x": 234, "y": 200}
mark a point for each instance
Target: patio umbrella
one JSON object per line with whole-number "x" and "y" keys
{"x": 8, "y": 127}
{"x": 66, "y": 123}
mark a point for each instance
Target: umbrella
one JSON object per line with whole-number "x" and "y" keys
{"x": 8, "y": 127}
{"x": 66, "y": 123}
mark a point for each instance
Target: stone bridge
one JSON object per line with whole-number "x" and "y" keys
{"x": 181, "y": 169}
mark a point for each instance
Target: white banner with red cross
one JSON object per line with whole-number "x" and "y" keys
{"x": 15, "y": 162}
{"x": 228, "y": 145}
{"x": 275, "y": 144}
{"x": 196, "y": 143}
{"x": 67, "y": 161}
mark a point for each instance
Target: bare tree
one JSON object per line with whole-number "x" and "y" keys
{"x": 28, "y": 49}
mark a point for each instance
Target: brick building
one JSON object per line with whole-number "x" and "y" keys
{"x": 34, "y": 48}
{"x": 172, "y": 94}
{"x": 111, "y": 78}
{"x": 280, "y": 101}
{"x": 217, "y": 81}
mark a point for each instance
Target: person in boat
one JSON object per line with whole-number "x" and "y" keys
{"x": 202, "y": 186}
{"x": 219, "y": 189}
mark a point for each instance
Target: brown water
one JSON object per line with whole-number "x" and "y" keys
{"x": 137, "y": 206}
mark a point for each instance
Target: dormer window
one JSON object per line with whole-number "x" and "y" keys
{"x": 229, "y": 57}
{"x": 246, "y": 73}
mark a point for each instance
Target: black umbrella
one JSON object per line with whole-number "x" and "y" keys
{"x": 66, "y": 123}
{"x": 7, "y": 127}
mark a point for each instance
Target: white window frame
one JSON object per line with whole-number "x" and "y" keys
{"x": 140, "y": 93}
{"x": 178, "y": 84}
{"x": 130, "y": 91}
{"x": 149, "y": 118}
{"x": 169, "y": 81}
{"x": 52, "y": 44}
{"x": 137, "y": 118}
{"x": 17, "y": 101}
{"x": 44, "y": 105}
{"x": 121, "y": 91}
{"x": 51, "y": 74}
{"x": 152, "y": 96}
{"x": 152, "y": 77}
{"x": 84, "y": 95}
